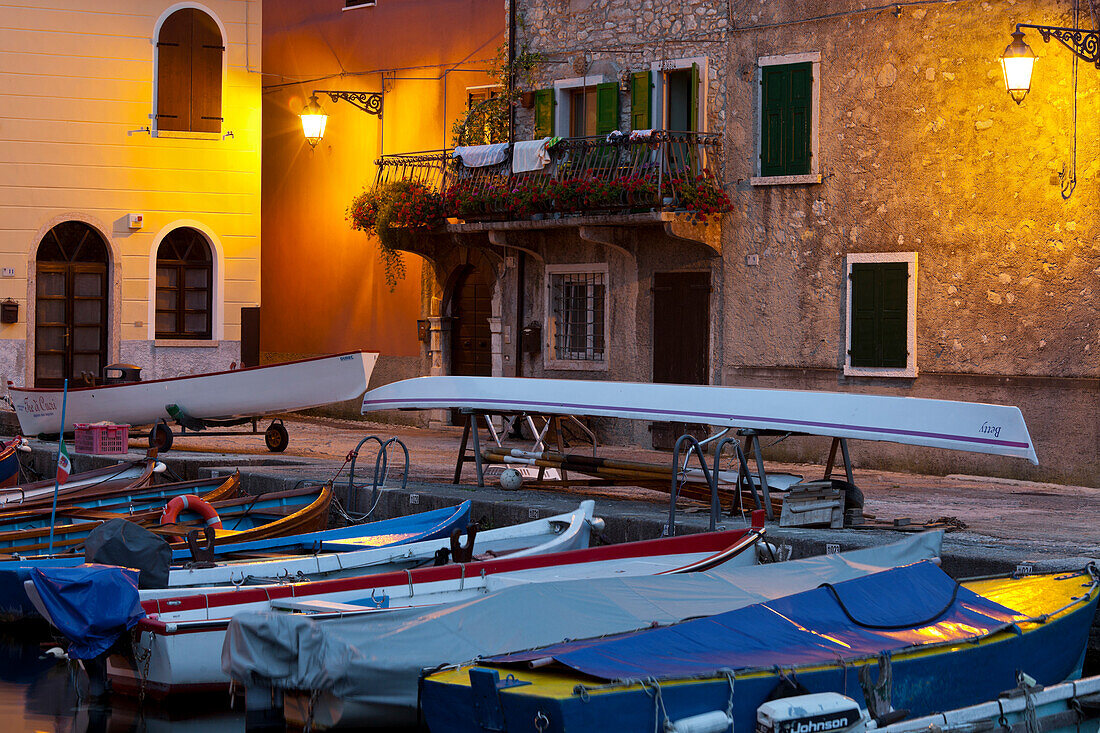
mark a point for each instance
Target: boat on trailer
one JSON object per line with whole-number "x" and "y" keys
{"x": 201, "y": 400}
{"x": 965, "y": 426}
{"x": 912, "y": 635}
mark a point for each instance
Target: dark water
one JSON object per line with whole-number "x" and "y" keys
{"x": 40, "y": 693}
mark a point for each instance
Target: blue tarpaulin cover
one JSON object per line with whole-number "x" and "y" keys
{"x": 92, "y": 605}
{"x": 888, "y": 611}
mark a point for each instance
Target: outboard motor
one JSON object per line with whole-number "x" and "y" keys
{"x": 121, "y": 373}
{"x": 123, "y": 543}
{"x": 822, "y": 712}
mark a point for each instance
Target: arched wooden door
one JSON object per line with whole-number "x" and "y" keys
{"x": 471, "y": 308}
{"x": 70, "y": 329}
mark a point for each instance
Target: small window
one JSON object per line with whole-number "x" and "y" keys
{"x": 577, "y": 323}
{"x": 787, "y": 138}
{"x": 184, "y": 286}
{"x": 881, "y": 314}
{"x": 682, "y": 89}
{"x": 588, "y": 108}
{"x": 357, "y": 3}
{"x": 189, "y": 73}
{"x": 489, "y": 124}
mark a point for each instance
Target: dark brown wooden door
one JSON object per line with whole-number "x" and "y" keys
{"x": 471, "y": 352}
{"x": 70, "y": 305}
{"x": 681, "y": 327}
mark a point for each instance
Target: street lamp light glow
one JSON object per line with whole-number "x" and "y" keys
{"x": 1017, "y": 63}
{"x": 313, "y": 121}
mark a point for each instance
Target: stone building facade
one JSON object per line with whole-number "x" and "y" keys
{"x": 918, "y": 167}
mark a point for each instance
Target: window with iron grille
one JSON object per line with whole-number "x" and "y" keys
{"x": 578, "y": 314}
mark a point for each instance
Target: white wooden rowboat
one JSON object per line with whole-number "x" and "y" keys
{"x": 557, "y": 533}
{"x": 965, "y": 426}
{"x": 231, "y": 395}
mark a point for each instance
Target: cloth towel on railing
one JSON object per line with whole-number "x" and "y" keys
{"x": 479, "y": 156}
{"x": 530, "y": 155}
{"x": 636, "y": 135}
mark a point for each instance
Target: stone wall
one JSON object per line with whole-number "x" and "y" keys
{"x": 920, "y": 149}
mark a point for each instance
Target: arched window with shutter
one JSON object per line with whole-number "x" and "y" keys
{"x": 184, "y": 286}
{"x": 189, "y": 73}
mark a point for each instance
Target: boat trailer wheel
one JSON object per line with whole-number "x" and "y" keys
{"x": 276, "y": 437}
{"x": 160, "y": 437}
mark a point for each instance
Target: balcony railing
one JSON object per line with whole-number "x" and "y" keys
{"x": 613, "y": 174}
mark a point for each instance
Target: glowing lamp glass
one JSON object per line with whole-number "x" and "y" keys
{"x": 1017, "y": 64}
{"x": 313, "y": 121}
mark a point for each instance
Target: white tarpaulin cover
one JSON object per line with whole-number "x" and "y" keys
{"x": 372, "y": 662}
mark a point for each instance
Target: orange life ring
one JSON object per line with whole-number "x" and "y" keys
{"x": 179, "y": 504}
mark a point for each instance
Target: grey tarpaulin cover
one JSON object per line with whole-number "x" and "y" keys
{"x": 123, "y": 543}
{"x": 372, "y": 662}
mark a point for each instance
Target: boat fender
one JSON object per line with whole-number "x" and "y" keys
{"x": 179, "y": 504}
{"x": 715, "y": 721}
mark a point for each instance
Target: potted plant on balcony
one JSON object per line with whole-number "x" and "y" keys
{"x": 701, "y": 195}
{"x": 397, "y": 213}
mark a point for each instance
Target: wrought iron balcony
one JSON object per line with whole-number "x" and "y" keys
{"x": 616, "y": 174}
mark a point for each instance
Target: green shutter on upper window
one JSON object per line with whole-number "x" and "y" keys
{"x": 544, "y": 113}
{"x": 640, "y": 95}
{"x": 693, "y": 101}
{"x": 607, "y": 107}
{"x": 786, "y": 119}
{"x": 800, "y": 109}
{"x": 880, "y": 315}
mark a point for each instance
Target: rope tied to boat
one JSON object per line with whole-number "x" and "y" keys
{"x": 660, "y": 714}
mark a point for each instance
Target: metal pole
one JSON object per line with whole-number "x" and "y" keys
{"x": 60, "y": 443}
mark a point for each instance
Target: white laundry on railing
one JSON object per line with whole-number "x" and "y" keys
{"x": 479, "y": 156}
{"x": 639, "y": 135}
{"x": 530, "y": 155}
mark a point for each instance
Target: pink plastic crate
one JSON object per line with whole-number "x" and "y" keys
{"x": 101, "y": 439}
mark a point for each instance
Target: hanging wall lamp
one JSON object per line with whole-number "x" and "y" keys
{"x": 314, "y": 118}
{"x": 1018, "y": 59}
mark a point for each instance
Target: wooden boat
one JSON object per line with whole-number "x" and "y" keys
{"x": 121, "y": 476}
{"x": 29, "y": 536}
{"x": 406, "y": 530}
{"x": 181, "y": 640}
{"x": 1070, "y": 707}
{"x": 217, "y": 396}
{"x": 371, "y": 680}
{"x": 9, "y": 463}
{"x": 966, "y": 426}
{"x": 943, "y": 646}
{"x": 347, "y": 557}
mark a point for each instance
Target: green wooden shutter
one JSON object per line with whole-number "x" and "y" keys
{"x": 800, "y": 107}
{"x": 544, "y": 113}
{"x": 880, "y": 295}
{"x": 774, "y": 100}
{"x": 895, "y": 316}
{"x": 607, "y": 107}
{"x": 693, "y": 102}
{"x": 641, "y": 86}
{"x": 786, "y": 119}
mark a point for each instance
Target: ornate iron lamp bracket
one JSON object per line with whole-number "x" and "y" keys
{"x": 1084, "y": 43}
{"x": 369, "y": 102}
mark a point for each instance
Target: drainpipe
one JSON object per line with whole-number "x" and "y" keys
{"x": 511, "y": 70}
